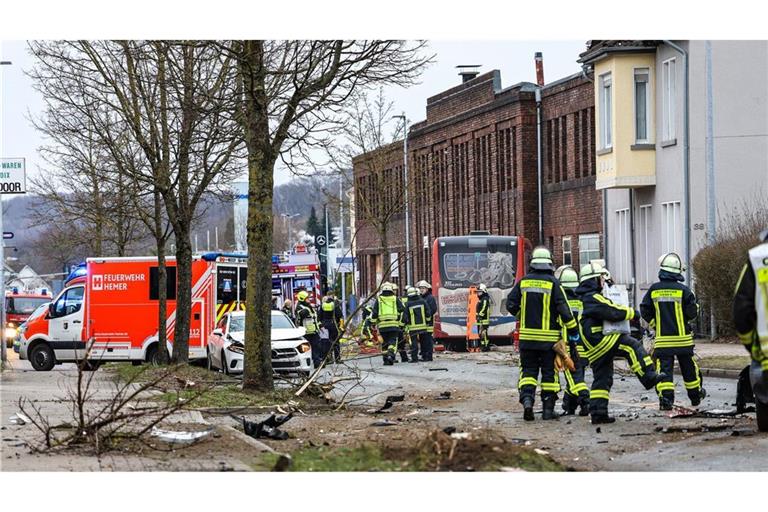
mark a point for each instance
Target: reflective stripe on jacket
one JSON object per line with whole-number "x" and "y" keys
{"x": 669, "y": 306}
{"x": 540, "y": 304}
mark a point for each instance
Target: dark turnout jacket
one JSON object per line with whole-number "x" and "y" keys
{"x": 539, "y": 302}
{"x": 669, "y": 306}
{"x": 598, "y": 309}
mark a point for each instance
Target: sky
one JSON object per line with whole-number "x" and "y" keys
{"x": 18, "y": 100}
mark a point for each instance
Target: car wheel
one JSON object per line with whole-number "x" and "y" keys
{"x": 153, "y": 356}
{"x": 42, "y": 358}
{"x": 761, "y": 409}
{"x": 209, "y": 363}
{"x": 224, "y": 366}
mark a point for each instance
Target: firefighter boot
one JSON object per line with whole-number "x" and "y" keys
{"x": 569, "y": 404}
{"x": 528, "y": 408}
{"x": 650, "y": 379}
{"x": 583, "y": 406}
{"x": 665, "y": 404}
{"x": 695, "y": 401}
{"x": 548, "y": 404}
{"x": 597, "y": 419}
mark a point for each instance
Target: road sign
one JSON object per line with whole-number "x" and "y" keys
{"x": 13, "y": 176}
{"x": 7, "y": 235}
{"x": 320, "y": 240}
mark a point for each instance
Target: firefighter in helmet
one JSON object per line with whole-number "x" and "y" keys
{"x": 669, "y": 306}
{"x": 576, "y": 393}
{"x": 540, "y": 305}
{"x": 425, "y": 289}
{"x": 483, "y": 316}
{"x": 332, "y": 319}
{"x": 417, "y": 323}
{"x": 388, "y": 315}
{"x": 306, "y": 316}
{"x": 750, "y": 317}
{"x": 601, "y": 349}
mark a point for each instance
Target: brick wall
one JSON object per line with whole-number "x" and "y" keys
{"x": 473, "y": 166}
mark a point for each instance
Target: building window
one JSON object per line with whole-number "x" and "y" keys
{"x": 645, "y": 234}
{"x": 589, "y": 248}
{"x": 605, "y": 111}
{"x": 671, "y": 228}
{"x": 668, "y": 77}
{"x": 642, "y": 100}
{"x": 623, "y": 234}
{"x": 567, "y": 255}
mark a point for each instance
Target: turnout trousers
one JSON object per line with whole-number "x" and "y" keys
{"x": 317, "y": 348}
{"x": 389, "y": 345}
{"x": 482, "y": 330}
{"x": 427, "y": 345}
{"x": 533, "y": 362}
{"x": 665, "y": 363}
{"x": 640, "y": 363}
{"x": 402, "y": 346}
{"x": 576, "y": 390}
{"x": 333, "y": 338}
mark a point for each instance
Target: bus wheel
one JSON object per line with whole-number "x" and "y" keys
{"x": 42, "y": 357}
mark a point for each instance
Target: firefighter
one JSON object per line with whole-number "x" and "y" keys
{"x": 668, "y": 306}
{"x": 601, "y": 349}
{"x": 306, "y": 316}
{"x": 288, "y": 309}
{"x": 402, "y": 342}
{"x": 428, "y": 338}
{"x": 332, "y": 319}
{"x": 483, "y": 316}
{"x": 538, "y": 301}
{"x": 750, "y": 318}
{"x": 576, "y": 393}
{"x": 417, "y": 323}
{"x": 368, "y": 334}
{"x": 387, "y": 314}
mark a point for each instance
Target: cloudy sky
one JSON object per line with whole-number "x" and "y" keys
{"x": 514, "y": 58}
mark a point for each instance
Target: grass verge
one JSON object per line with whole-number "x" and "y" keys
{"x": 724, "y": 362}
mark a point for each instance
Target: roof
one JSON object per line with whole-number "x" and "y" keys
{"x": 597, "y": 49}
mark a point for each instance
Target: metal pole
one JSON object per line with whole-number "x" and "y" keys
{"x": 710, "y": 152}
{"x": 538, "y": 165}
{"x": 3, "y": 352}
{"x": 327, "y": 243}
{"x": 343, "y": 253}
{"x": 407, "y": 217}
{"x": 216, "y": 232}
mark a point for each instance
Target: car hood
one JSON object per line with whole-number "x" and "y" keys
{"x": 296, "y": 333}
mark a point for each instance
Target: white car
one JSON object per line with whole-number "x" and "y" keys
{"x": 291, "y": 353}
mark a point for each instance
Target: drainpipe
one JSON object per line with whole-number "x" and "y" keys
{"x": 538, "y": 164}
{"x": 710, "y": 149}
{"x": 686, "y": 163}
{"x": 633, "y": 259}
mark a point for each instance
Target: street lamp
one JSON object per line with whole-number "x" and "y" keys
{"x": 405, "y": 190}
{"x": 3, "y": 351}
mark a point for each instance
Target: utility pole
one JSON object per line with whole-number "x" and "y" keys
{"x": 405, "y": 190}
{"x": 3, "y": 350}
{"x": 343, "y": 252}
{"x": 327, "y": 243}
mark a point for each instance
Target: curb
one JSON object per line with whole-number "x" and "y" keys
{"x": 719, "y": 373}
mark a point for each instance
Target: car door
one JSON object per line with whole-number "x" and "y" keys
{"x": 216, "y": 342}
{"x": 65, "y": 326}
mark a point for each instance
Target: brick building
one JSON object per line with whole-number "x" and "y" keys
{"x": 473, "y": 166}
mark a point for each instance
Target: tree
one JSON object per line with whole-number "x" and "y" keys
{"x": 293, "y": 92}
{"x": 313, "y": 225}
{"x": 173, "y": 102}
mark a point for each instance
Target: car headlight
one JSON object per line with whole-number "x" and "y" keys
{"x": 10, "y": 333}
{"x": 304, "y": 348}
{"x": 11, "y": 325}
{"x": 236, "y": 348}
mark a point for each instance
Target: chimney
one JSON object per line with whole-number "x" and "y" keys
{"x": 539, "y": 69}
{"x": 468, "y": 71}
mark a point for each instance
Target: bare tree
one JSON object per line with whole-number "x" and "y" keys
{"x": 293, "y": 95}
{"x": 172, "y": 101}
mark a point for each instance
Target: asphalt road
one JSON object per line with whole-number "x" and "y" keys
{"x": 483, "y": 394}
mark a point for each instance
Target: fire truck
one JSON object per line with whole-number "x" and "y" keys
{"x": 112, "y": 303}
{"x": 18, "y": 306}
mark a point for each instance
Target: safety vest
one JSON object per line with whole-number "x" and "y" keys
{"x": 758, "y": 257}
{"x": 388, "y": 315}
{"x": 535, "y": 321}
{"x": 309, "y": 323}
{"x": 417, "y": 321}
{"x": 576, "y": 308}
{"x": 667, "y": 335}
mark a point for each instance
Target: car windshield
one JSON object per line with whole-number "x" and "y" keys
{"x": 24, "y": 305}
{"x": 237, "y": 324}
{"x": 280, "y": 321}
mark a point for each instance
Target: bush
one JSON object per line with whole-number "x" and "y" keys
{"x": 717, "y": 267}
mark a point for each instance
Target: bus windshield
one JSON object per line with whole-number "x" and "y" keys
{"x": 493, "y": 264}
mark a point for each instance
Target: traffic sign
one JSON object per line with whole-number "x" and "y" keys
{"x": 13, "y": 176}
{"x": 320, "y": 240}
{"x": 7, "y": 235}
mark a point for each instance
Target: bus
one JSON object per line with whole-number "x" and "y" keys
{"x": 459, "y": 262}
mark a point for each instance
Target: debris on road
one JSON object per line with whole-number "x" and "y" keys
{"x": 743, "y": 432}
{"x": 391, "y": 399}
{"x": 20, "y": 419}
{"x": 267, "y": 428}
{"x": 445, "y": 395}
{"x": 438, "y": 369}
{"x": 384, "y": 423}
{"x": 684, "y": 429}
{"x": 460, "y": 435}
{"x": 685, "y": 412}
{"x": 449, "y": 430}
{"x": 540, "y": 451}
{"x": 180, "y": 437}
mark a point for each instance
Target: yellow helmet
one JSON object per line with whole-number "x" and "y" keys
{"x": 671, "y": 262}
{"x": 567, "y": 276}
{"x": 541, "y": 259}
{"x": 589, "y": 271}
{"x": 302, "y": 295}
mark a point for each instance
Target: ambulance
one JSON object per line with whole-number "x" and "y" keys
{"x": 114, "y": 303}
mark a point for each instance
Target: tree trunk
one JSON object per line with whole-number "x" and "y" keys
{"x": 257, "y": 374}
{"x": 183, "y": 295}
{"x": 386, "y": 260}
{"x": 162, "y": 282}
